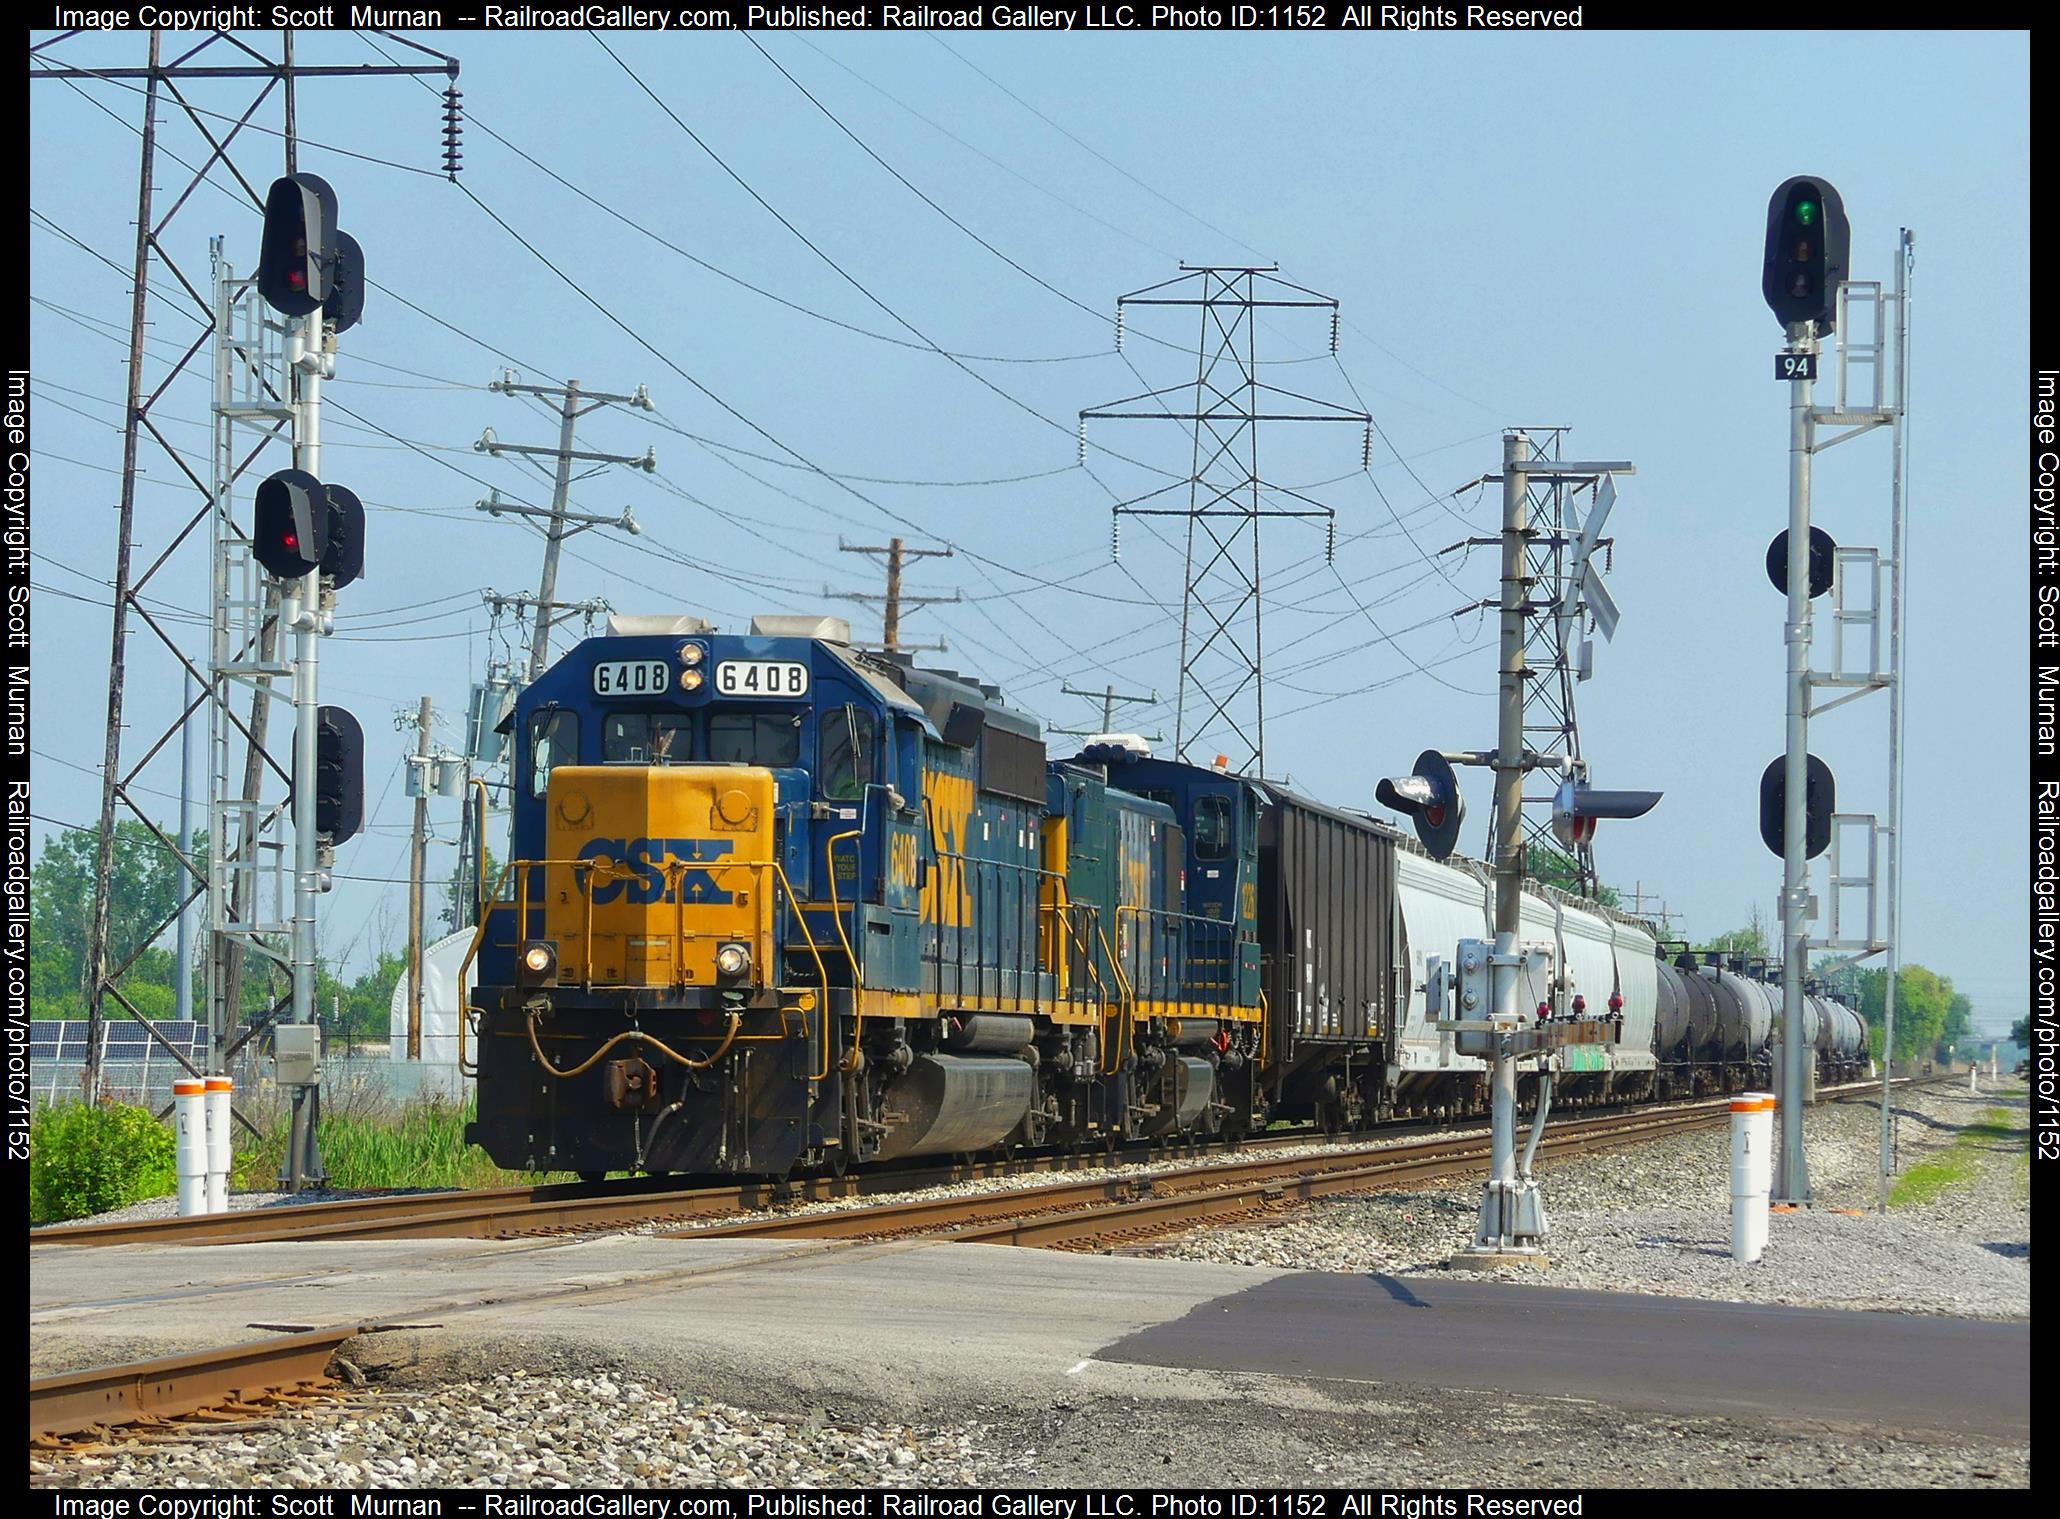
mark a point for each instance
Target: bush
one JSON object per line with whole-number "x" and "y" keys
{"x": 85, "y": 1159}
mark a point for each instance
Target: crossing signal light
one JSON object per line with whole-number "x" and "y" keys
{"x": 290, "y": 526}
{"x": 1820, "y": 800}
{"x": 339, "y": 774}
{"x": 1431, "y": 798}
{"x": 1808, "y": 245}
{"x": 297, "y": 259}
{"x": 343, "y": 556}
{"x": 1576, "y": 808}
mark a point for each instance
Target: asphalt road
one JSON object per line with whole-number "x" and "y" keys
{"x": 1904, "y": 1372}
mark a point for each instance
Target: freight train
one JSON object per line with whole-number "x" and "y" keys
{"x": 776, "y": 903}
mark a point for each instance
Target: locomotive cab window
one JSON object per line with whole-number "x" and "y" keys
{"x": 646, "y": 738}
{"x": 553, "y": 741}
{"x": 1212, "y": 827}
{"x": 848, "y": 757}
{"x": 770, "y": 739}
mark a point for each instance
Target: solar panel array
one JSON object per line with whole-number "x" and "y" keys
{"x": 121, "y": 1039}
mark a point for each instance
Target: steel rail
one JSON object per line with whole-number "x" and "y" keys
{"x": 71, "y": 1402}
{"x": 559, "y": 1206}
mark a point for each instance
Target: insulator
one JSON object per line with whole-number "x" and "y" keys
{"x": 1334, "y": 332}
{"x": 1083, "y": 441}
{"x": 453, "y": 129}
{"x": 1609, "y": 558}
{"x": 1366, "y": 449}
{"x": 1119, "y": 329}
{"x": 1330, "y": 540}
{"x": 1115, "y": 537}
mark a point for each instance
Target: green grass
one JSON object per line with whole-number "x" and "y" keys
{"x": 369, "y": 1144}
{"x": 1959, "y": 1164}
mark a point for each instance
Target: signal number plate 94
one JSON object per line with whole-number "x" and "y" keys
{"x": 761, "y": 677}
{"x": 631, "y": 677}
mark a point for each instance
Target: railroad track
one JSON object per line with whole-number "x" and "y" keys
{"x": 1066, "y": 1213}
{"x": 252, "y": 1379}
{"x": 512, "y": 1212}
{"x": 496, "y": 1212}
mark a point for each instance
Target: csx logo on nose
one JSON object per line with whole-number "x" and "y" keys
{"x": 644, "y": 860}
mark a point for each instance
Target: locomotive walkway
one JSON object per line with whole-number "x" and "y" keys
{"x": 928, "y": 1324}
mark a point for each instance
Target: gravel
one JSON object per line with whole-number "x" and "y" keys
{"x": 1965, "y": 1253}
{"x": 527, "y": 1431}
{"x": 1405, "y": 1437}
{"x": 1029, "y": 1179}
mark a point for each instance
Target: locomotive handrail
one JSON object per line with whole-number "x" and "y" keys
{"x": 1223, "y": 926}
{"x": 1030, "y": 908}
{"x": 850, "y": 1062}
{"x": 614, "y": 870}
{"x": 1126, "y": 1015}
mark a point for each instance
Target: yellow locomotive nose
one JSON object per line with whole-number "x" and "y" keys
{"x": 660, "y": 876}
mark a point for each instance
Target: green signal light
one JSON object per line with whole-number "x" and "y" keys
{"x": 1806, "y": 212}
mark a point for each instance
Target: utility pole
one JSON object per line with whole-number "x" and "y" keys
{"x": 417, "y": 850}
{"x": 896, "y": 552}
{"x": 1110, "y": 698}
{"x": 563, "y": 521}
{"x": 1491, "y": 976}
{"x": 1222, "y": 644}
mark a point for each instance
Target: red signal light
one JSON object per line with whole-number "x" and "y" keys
{"x": 290, "y": 541}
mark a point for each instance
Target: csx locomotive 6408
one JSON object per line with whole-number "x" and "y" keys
{"x": 776, "y": 903}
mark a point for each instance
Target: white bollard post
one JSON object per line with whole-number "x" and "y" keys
{"x": 189, "y": 1125}
{"x": 1973, "y": 1073}
{"x": 1763, "y": 1180}
{"x": 1752, "y": 1173}
{"x": 221, "y": 1154}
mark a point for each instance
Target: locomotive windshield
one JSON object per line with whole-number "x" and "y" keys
{"x": 771, "y": 739}
{"x": 647, "y": 738}
{"x": 849, "y": 742}
{"x": 553, "y": 741}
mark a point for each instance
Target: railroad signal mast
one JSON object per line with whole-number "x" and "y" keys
{"x": 310, "y": 538}
{"x": 1803, "y": 278}
{"x": 1487, "y": 978}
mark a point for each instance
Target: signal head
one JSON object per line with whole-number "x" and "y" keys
{"x": 1808, "y": 246}
{"x": 290, "y": 524}
{"x": 297, "y": 259}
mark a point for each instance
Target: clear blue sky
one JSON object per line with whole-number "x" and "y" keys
{"x": 1522, "y": 229}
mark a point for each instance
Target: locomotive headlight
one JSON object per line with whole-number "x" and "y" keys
{"x": 690, "y": 680}
{"x": 733, "y": 960}
{"x": 539, "y": 961}
{"x": 691, "y": 654}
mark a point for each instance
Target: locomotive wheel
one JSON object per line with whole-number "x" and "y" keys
{"x": 591, "y": 1177}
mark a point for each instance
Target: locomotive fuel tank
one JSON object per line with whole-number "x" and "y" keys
{"x": 953, "y": 1104}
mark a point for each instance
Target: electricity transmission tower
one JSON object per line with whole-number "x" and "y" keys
{"x": 228, "y": 330}
{"x": 1222, "y": 644}
{"x": 1557, "y": 653}
{"x": 896, "y": 552}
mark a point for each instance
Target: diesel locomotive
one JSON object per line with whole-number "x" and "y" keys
{"x": 775, "y": 903}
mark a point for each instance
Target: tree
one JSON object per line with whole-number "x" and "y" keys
{"x": 144, "y": 893}
{"x": 1924, "y": 1007}
{"x": 1557, "y": 868}
{"x": 1750, "y": 942}
{"x": 2020, "y": 1033}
